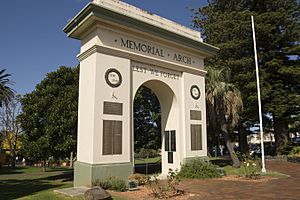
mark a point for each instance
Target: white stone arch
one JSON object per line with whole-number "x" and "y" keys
{"x": 123, "y": 47}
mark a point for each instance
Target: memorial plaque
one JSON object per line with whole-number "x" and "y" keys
{"x": 195, "y": 115}
{"x": 170, "y": 157}
{"x": 170, "y": 141}
{"x": 173, "y": 141}
{"x": 167, "y": 146}
{"x": 196, "y": 137}
{"x": 112, "y": 137}
{"x": 113, "y": 77}
{"x": 195, "y": 92}
{"x": 112, "y": 108}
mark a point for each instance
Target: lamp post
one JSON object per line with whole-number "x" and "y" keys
{"x": 263, "y": 169}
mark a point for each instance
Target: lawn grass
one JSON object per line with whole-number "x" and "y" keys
{"x": 31, "y": 183}
{"x": 275, "y": 174}
{"x": 229, "y": 170}
{"x": 138, "y": 161}
{"x": 29, "y": 169}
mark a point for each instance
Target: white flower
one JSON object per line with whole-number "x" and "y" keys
{"x": 247, "y": 164}
{"x": 253, "y": 164}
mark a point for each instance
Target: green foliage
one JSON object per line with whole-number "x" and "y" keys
{"x": 106, "y": 184}
{"x": 147, "y": 120}
{"x": 6, "y": 93}
{"x": 198, "y": 169}
{"x": 295, "y": 151}
{"x": 118, "y": 185}
{"x": 49, "y": 118}
{"x": 250, "y": 169}
{"x": 113, "y": 183}
{"x": 291, "y": 149}
{"x": 227, "y": 24}
{"x": 224, "y": 105}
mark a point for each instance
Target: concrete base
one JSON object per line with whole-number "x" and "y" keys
{"x": 73, "y": 192}
{"x": 85, "y": 174}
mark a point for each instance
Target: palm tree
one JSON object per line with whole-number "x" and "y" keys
{"x": 224, "y": 103}
{"x": 6, "y": 93}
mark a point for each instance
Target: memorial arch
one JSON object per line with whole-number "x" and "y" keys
{"x": 123, "y": 48}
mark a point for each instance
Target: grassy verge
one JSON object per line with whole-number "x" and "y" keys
{"x": 275, "y": 174}
{"x": 31, "y": 183}
{"x": 229, "y": 170}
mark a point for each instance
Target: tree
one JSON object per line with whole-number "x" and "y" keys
{"x": 49, "y": 117}
{"x": 10, "y": 126}
{"x": 6, "y": 93}
{"x": 147, "y": 120}
{"x": 224, "y": 104}
{"x": 227, "y": 24}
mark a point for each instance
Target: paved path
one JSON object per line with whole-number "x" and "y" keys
{"x": 284, "y": 188}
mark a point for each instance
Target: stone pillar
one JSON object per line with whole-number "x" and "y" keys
{"x": 104, "y": 120}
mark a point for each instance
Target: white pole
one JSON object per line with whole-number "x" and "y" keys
{"x": 263, "y": 169}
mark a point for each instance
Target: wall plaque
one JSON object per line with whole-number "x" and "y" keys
{"x": 112, "y": 108}
{"x": 195, "y": 92}
{"x": 196, "y": 137}
{"x": 112, "y": 137}
{"x": 113, "y": 77}
{"x": 195, "y": 115}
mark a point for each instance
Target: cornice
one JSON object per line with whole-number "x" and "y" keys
{"x": 139, "y": 58}
{"x": 92, "y": 13}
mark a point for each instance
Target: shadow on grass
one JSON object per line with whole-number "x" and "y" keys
{"x": 10, "y": 170}
{"x": 16, "y": 188}
{"x": 63, "y": 177}
{"x": 4, "y": 170}
{"x": 222, "y": 162}
{"x": 152, "y": 168}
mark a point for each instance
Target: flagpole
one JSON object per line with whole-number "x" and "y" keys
{"x": 263, "y": 169}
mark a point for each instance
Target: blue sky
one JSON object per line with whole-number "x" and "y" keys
{"x": 32, "y": 42}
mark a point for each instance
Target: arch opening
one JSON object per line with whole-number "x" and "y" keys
{"x": 155, "y": 127}
{"x": 147, "y": 131}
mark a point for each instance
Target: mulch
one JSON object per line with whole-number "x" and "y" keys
{"x": 231, "y": 187}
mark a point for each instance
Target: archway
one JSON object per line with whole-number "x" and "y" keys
{"x": 147, "y": 132}
{"x": 169, "y": 123}
{"x": 123, "y": 48}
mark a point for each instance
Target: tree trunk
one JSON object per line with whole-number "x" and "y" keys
{"x": 281, "y": 132}
{"x": 44, "y": 165}
{"x": 13, "y": 158}
{"x": 243, "y": 144}
{"x": 235, "y": 161}
{"x": 71, "y": 159}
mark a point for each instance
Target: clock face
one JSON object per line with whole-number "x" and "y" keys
{"x": 195, "y": 92}
{"x": 113, "y": 77}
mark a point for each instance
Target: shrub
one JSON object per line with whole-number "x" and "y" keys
{"x": 199, "y": 169}
{"x": 250, "y": 169}
{"x": 295, "y": 151}
{"x": 112, "y": 183}
{"x": 291, "y": 149}
{"x": 105, "y": 184}
{"x": 140, "y": 178}
{"x": 161, "y": 191}
{"x": 118, "y": 185}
